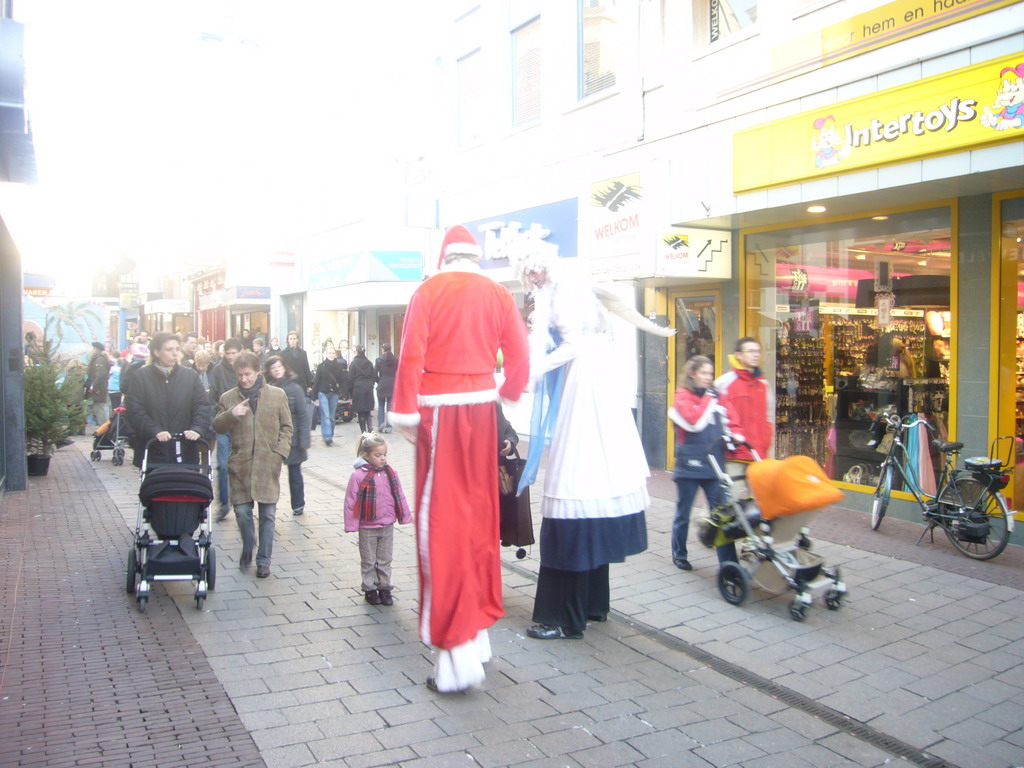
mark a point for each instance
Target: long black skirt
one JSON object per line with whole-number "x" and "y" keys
{"x": 566, "y": 598}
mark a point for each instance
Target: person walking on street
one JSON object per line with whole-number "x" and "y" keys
{"x": 374, "y": 502}
{"x": 384, "y": 371}
{"x": 97, "y": 379}
{"x": 260, "y": 424}
{"x": 702, "y": 418}
{"x": 444, "y": 401}
{"x": 752, "y": 400}
{"x": 259, "y": 351}
{"x": 189, "y": 347}
{"x": 329, "y": 384}
{"x": 361, "y": 376}
{"x": 223, "y": 379}
{"x": 165, "y": 399}
{"x": 246, "y": 339}
{"x": 278, "y": 375}
{"x": 595, "y": 483}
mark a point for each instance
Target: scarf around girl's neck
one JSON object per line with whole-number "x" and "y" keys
{"x": 366, "y": 503}
{"x": 252, "y": 394}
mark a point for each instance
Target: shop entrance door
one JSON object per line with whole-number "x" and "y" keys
{"x": 695, "y": 316}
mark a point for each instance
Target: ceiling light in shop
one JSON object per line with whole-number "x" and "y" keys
{"x": 922, "y": 263}
{"x": 816, "y": 209}
{"x": 879, "y": 218}
{"x": 861, "y": 257}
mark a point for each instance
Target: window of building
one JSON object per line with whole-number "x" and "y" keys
{"x": 854, "y": 318}
{"x": 470, "y": 98}
{"x": 597, "y": 50}
{"x": 526, "y": 72}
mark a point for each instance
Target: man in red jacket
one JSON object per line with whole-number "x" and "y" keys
{"x": 751, "y": 398}
{"x": 444, "y": 401}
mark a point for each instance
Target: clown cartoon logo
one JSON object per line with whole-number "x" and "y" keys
{"x": 829, "y": 147}
{"x": 799, "y": 283}
{"x": 1008, "y": 111}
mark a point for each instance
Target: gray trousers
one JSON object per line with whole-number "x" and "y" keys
{"x": 375, "y": 548}
{"x": 268, "y": 516}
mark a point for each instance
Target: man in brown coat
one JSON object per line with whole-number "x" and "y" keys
{"x": 260, "y": 424}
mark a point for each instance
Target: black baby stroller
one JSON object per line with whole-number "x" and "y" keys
{"x": 343, "y": 412}
{"x": 770, "y": 531}
{"x": 113, "y": 436}
{"x": 174, "y": 501}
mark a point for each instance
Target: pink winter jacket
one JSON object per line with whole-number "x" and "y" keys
{"x": 386, "y": 511}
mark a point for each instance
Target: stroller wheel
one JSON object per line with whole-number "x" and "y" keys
{"x": 118, "y": 458}
{"x": 520, "y": 553}
{"x": 833, "y": 600}
{"x": 95, "y": 455}
{"x": 200, "y": 599}
{"x": 132, "y": 572}
{"x": 211, "y": 569}
{"x": 733, "y": 583}
{"x": 797, "y": 611}
{"x": 142, "y": 601}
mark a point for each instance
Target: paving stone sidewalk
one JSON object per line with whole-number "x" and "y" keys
{"x": 922, "y": 665}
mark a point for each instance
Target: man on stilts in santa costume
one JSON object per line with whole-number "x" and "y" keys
{"x": 444, "y": 401}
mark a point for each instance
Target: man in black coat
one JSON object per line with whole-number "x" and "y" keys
{"x": 166, "y": 399}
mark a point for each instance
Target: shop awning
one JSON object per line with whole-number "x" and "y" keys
{"x": 363, "y": 295}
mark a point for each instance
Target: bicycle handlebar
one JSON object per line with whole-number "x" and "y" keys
{"x": 895, "y": 421}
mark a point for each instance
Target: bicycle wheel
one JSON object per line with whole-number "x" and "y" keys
{"x": 975, "y": 519}
{"x": 882, "y": 492}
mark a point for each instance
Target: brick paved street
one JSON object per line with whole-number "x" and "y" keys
{"x": 922, "y": 665}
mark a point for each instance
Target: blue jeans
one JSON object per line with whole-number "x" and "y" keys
{"x": 383, "y": 406}
{"x": 296, "y": 486}
{"x": 681, "y": 524}
{"x": 268, "y": 515}
{"x": 223, "y": 451}
{"x": 328, "y": 405}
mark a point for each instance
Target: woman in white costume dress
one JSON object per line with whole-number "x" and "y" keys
{"x": 595, "y": 484}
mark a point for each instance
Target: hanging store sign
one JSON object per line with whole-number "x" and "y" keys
{"x": 971, "y": 107}
{"x": 694, "y": 253}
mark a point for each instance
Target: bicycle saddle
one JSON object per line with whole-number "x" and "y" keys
{"x": 945, "y": 447}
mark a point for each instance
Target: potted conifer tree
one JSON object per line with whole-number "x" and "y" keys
{"x": 47, "y": 415}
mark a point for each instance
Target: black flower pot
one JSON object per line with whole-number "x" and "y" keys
{"x": 38, "y": 466}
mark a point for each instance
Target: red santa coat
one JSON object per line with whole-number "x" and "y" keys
{"x": 455, "y": 324}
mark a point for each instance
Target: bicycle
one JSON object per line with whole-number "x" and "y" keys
{"x": 969, "y": 507}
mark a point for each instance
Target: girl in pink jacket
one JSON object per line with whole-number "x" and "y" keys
{"x": 374, "y": 501}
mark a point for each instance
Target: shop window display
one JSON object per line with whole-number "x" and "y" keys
{"x": 855, "y": 319}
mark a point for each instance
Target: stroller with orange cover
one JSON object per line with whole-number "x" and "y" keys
{"x": 770, "y": 530}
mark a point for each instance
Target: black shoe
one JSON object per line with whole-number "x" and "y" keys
{"x": 222, "y": 512}
{"x": 262, "y": 571}
{"x": 385, "y": 597}
{"x": 432, "y": 686}
{"x": 598, "y": 617}
{"x": 329, "y": 442}
{"x": 683, "y": 564}
{"x": 372, "y": 596}
{"x": 547, "y": 632}
{"x": 299, "y": 511}
{"x": 245, "y": 560}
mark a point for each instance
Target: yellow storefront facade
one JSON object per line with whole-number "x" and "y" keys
{"x": 879, "y": 259}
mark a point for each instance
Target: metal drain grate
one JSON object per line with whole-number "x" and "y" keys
{"x": 833, "y": 717}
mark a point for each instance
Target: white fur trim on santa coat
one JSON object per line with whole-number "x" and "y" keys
{"x": 466, "y": 249}
{"x": 462, "y": 667}
{"x": 404, "y": 419}
{"x": 459, "y": 398}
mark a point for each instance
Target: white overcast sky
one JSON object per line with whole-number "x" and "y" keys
{"x": 177, "y": 131}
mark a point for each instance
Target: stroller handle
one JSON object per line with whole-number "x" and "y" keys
{"x": 732, "y": 444}
{"x": 178, "y": 437}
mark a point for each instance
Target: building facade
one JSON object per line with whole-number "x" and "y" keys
{"x": 842, "y": 181}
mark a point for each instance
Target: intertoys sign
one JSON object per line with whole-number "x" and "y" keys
{"x": 970, "y": 107}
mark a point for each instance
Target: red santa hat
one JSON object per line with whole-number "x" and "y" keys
{"x": 458, "y": 241}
